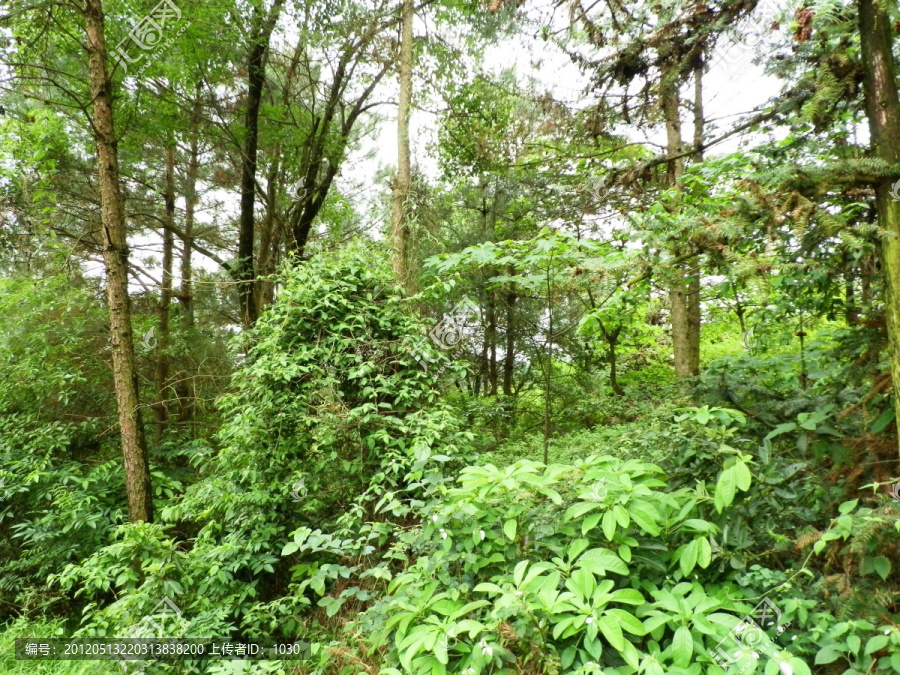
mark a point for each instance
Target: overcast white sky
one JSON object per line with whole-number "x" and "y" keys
{"x": 733, "y": 86}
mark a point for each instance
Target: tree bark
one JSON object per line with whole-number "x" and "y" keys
{"x": 612, "y": 340}
{"x": 400, "y": 232}
{"x": 509, "y": 358}
{"x": 684, "y": 292}
{"x": 165, "y": 299}
{"x": 883, "y": 110}
{"x": 493, "y": 371}
{"x": 186, "y": 291}
{"x": 115, "y": 257}
{"x": 186, "y": 294}
{"x": 256, "y": 76}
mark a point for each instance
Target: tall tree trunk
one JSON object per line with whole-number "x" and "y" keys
{"x": 245, "y": 273}
{"x": 509, "y": 358}
{"x": 612, "y": 340}
{"x": 115, "y": 257}
{"x": 400, "y": 231}
{"x": 684, "y": 292}
{"x": 492, "y": 341}
{"x": 549, "y": 372}
{"x": 165, "y": 299}
{"x": 699, "y": 120}
{"x": 186, "y": 291}
{"x": 186, "y": 294}
{"x": 883, "y": 109}
{"x": 851, "y": 312}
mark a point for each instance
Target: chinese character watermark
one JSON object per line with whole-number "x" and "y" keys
{"x": 894, "y": 490}
{"x": 148, "y": 342}
{"x": 598, "y": 491}
{"x": 147, "y": 35}
{"x": 895, "y": 192}
{"x": 152, "y": 626}
{"x": 451, "y": 332}
{"x": 749, "y": 340}
{"x": 736, "y": 56}
{"x": 749, "y": 638}
{"x": 298, "y": 490}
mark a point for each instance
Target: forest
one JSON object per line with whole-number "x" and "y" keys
{"x": 445, "y": 337}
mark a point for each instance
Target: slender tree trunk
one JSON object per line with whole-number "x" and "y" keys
{"x": 883, "y": 110}
{"x": 509, "y": 359}
{"x": 612, "y": 340}
{"x": 851, "y": 312}
{"x": 400, "y": 231}
{"x": 684, "y": 292}
{"x": 699, "y": 120}
{"x": 245, "y": 273}
{"x": 492, "y": 340}
{"x": 186, "y": 291}
{"x": 186, "y": 294}
{"x": 165, "y": 299}
{"x": 115, "y": 256}
{"x": 549, "y": 372}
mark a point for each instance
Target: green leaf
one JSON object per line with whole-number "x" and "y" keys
{"x": 290, "y": 548}
{"x": 882, "y": 566}
{"x": 591, "y": 522}
{"x": 645, "y": 516}
{"x": 509, "y": 529}
{"x": 611, "y": 632}
{"x": 627, "y": 621}
{"x": 621, "y": 516}
{"x": 726, "y": 487}
{"x": 487, "y": 588}
{"x": 576, "y": 547}
{"x": 781, "y": 429}
{"x": 883, "y": 421}
{"x": 827, "y": 655}
{"x": 682, "y": 647}
{"x": 609, "y": 525}
{"x": 704, "y": 552}
{"x": 743, "y": 477}
{"x": 600, "y": 560}
{"x": 876, "y": 643}
{"x": 847, "y": 507}
{"x": 688, "y": 558}
{"x": 629, "y": 596}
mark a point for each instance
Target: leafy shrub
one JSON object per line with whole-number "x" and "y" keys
{"x": 590, "y": 567}
{"x": 334, "y": 433}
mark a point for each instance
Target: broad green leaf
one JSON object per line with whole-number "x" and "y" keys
{"x": 827, "y": 655}
{"x": 726, "y": 488}
{"x": 627, "y": 621}
{"x": 645, "y": 516}
{"x": 600, "y": 560}
{"x": 621, "y": 516}
{"x": 847, "y": 507}
{"x": 876, "y": 643}
{"x": 704, "y": 552}
{"x": 611, "y": 632}
{"x": 591, "y": 521}
{"x": 743, "y": 477}
{"x": 576, "y": 547}
{"x": 688, "y": 558}
{"x": 682, "y": 647}
{"x": 509, "y": 529}
{"x": 609, "y": 525}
